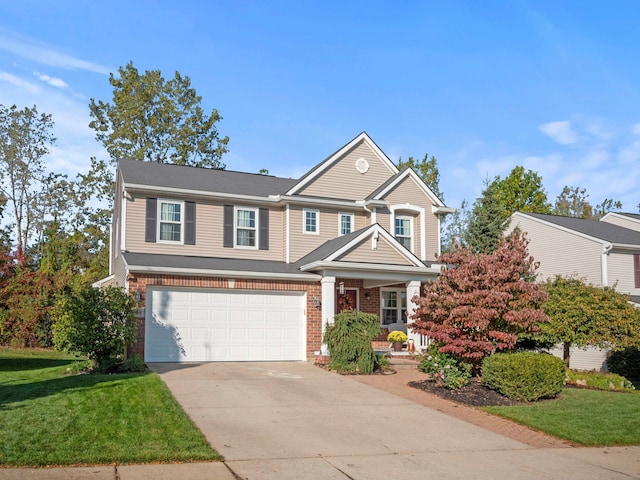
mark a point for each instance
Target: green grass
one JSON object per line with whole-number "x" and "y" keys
{"x": 51, "y": 417}
{"x": 586, "y": 417}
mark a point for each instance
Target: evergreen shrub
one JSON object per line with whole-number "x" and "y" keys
{"x": 349, "y": 341}
{"x": 524, "y": 376}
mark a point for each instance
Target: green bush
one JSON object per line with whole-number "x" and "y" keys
{"x": 445, "y": 369}
{"x": 97, "y": 323}
{"x": 349, "y": 341}
{"x": 625, "y": 362}
{"x": 524, "y": 376}
{"x": 599, "y": 380}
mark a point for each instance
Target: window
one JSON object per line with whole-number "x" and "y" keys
{"x": 310, "y": 219}
{"x": 246, "y": 227}
{"x": 393, "y": 305}
{"x": 170, "y": 224}
{"x": 345, "y": 223}
{"x": 403, "y": 228}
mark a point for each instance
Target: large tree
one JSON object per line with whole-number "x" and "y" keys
{"x": 486, "y": 222}
{"x": 584, "y": 315}
{"x": 155, "y": 120}
{"x": 427, "y": 169}
{"x": 574, "y": 202}
{"x": 25, "y": 137}
{"x": 455, "y": 228}
{"x": 483, "y": 302}
{"x": 521, "y": 191}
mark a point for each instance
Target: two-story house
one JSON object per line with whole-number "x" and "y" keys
{"x": 231, "y": 266}
{"x": 603, "y": 252}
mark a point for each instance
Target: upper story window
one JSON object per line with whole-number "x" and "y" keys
{"x": 346, "y": 221}
{"x": 245, "y": 226}
{"x": 170, "y": 222}
{"x": 311, "y": 221}
{"x": 403, "y": 230}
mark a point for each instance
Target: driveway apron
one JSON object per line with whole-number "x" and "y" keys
{"x": 293, "y": 420}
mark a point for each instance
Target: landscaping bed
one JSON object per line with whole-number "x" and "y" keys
{"x": 473, "y": 394}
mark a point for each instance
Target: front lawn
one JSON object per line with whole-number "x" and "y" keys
{"x": 51, "y": 417}
{"x": 586, "y": 417}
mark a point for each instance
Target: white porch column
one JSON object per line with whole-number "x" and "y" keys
{"x": 413, "y": 289}
{"x": 328, "y": 306}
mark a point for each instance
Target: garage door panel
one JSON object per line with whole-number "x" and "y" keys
{"x": 224, "y": 325}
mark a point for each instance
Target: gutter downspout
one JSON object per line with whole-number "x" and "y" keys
{"x": 605, "y": 273}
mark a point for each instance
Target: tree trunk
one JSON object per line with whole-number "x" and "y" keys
{"x": 566, "y": 353}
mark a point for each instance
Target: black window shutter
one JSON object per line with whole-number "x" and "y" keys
{"x": 263, "y": 220}
{"x": 227, "y": 240}
{"x": 150, "y": 222}
{"x": 189, "y": 223}
{"x": 636, "y": 270}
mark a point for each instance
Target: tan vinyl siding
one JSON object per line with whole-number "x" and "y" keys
{"x": 119, "y": 272}
{"x": 342, "y": 180}
{"x": 623, "y": 222}
{"x": 301, "y": 243}
{"x": 383, "y": 254}
{"x": 560, "y": 252}
{"x": 209, "y": 232}
{"x": 620, "y": 272}
{"x": 408, "y": 192}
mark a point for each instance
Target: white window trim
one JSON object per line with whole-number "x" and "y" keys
{"x": 256, "y": 228}
{"x": 407, "y": 207}
{"x": 304, "y": 221}
{"x": 411, "y": 233}
{"x": 345, "y": 214}
{"x": 399, "y": 292}
{"x": 159, "y": 221}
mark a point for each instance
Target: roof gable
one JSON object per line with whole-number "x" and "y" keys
{"x": 406, "y": 175}
{"x": 341, "y": 248}
{"x": 353, "y": 171}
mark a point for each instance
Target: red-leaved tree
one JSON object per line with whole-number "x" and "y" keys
{"x": 482, "y": 302}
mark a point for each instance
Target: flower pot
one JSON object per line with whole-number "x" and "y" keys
{"x": 397, "y": 347}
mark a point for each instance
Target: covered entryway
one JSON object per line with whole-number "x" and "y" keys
{"x": 183, "y": 325}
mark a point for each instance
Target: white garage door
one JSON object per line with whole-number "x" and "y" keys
{"x": 184, "y": 325}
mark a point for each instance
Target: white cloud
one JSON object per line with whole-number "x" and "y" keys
{"x": 635, "y": 129}
{"x": 18, "y": 82}
{"x": 53, "y": 81}
{"x": 45, "y": 54}
{"x": 561, "y": 132}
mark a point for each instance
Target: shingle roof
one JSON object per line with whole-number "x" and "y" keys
{"x": 635, "y": 216}
{"x": 209, "y": 263}
{"x": 202, "y": 179}
{"x": 602, "y": 230}
{"x": 328, "y": 247}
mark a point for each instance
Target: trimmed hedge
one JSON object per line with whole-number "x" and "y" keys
{"x": 524, "y": 376}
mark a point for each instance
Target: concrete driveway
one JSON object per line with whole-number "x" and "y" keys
{"x": 297, "y": 421}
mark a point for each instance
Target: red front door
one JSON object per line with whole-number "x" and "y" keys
{"x": 347, "y": 301}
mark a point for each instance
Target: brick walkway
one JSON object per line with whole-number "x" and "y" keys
{"x": 398, "y": 385}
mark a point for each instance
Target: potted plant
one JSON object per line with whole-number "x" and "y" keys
{"x": 396, "y": 339}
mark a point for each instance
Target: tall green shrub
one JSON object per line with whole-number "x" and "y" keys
{"x": 349, "y": 341}
{"x": 98, "y": 323}
{"x": 525, "y": 376}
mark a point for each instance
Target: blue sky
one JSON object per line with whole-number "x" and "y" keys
{"x": 483, "y": 86}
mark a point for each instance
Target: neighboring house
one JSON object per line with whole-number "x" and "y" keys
{"x": 603, "y": 252}
{"x": 231, "y": 266}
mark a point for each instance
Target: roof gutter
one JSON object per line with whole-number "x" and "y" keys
{"x": 222, "y": 273}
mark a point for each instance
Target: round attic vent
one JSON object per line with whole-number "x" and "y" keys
{"x": 362, "y": 165}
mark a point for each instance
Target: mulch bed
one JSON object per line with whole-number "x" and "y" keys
{"x": 473, "y": 394}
